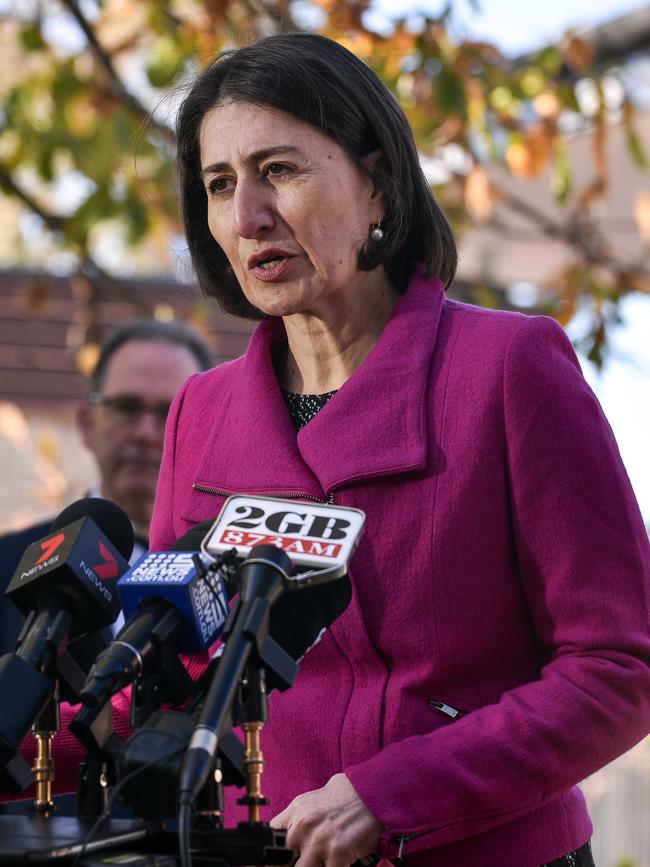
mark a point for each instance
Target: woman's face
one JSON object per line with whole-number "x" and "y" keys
{"x": 288, "y": 207}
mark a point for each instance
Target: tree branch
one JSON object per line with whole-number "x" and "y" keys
{"x": 119, "y": 88}
{"x": 572, "y": 233}
{"x": 279, "y": 12}
{"x": 90, "y": 270}
{"x": 54, "y": 222}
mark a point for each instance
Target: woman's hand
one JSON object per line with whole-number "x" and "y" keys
{"x": 329, "y": 826}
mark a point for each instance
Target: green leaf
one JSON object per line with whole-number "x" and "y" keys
{"x": 566, "y": 93}
{"x": 45, "y": 164}
{"x": 450, "y": 94}
{"x": 137, "y": 217}
{"x": 97, "y": 207}
{"x": 636, "y": 148}
{"x": 31, "y": 37}
{"x": 595, "y": 354}
{"x": 550, "y": 60}
{"x": 167, "y": 61}
{"x": 561, "y": 182}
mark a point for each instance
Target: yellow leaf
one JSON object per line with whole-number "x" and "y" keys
{"x": 532, "y": 81}
{"x": 364, "y": 44}
{"x": 518, "y": 159}
{"x": 547, "y": 105}
{"x": 642, "y": 214}
{"x": 86, "y": 358}
{"x": 501, "y": 99}
{"x": 48, "y": 446}
{"x": 81, "y": 114}
{"x": 10, "y": 147}
{"x": 163, "y": 313}
{"x": 478, "y": 196}
{"x": 123, "y": 22}
{"x": 529, "y": 156}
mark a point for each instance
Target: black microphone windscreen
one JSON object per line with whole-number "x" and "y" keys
{"x": 191, "y": 541}
{"x": 299, "y": 616}
{"x": 111, "y": 520}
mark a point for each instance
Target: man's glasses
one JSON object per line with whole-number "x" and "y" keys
{"x": 127, "y": 409}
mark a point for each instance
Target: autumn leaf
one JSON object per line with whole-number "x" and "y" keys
{"x": 478, "y": 196}
{"x": 642, "y": 215}
{"x": 528, "y": 155}
{"x": 579, "y": 53}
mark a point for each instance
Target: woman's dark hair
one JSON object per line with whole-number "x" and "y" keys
{"x": 319, "y": 81}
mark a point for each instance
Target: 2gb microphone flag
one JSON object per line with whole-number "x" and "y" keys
{"x": 314, "y": 535}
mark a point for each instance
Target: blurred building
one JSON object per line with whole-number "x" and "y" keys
{"x": 48, "y": 335}
{"x": 524, "y": 241}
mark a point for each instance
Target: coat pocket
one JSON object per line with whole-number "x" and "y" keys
{"x": 204, "y": 503}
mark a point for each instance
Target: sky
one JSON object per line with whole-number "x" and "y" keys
{"x": 516, "y": 26}
{"x": 623, "y": 388}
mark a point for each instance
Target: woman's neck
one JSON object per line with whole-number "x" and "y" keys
{"x": 324, "y": 350}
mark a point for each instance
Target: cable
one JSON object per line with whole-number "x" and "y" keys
{"x": 105, "y": 814}
{"x": 184, "y": 825}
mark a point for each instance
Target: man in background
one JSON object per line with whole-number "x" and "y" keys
{"x": 122, "y": 421}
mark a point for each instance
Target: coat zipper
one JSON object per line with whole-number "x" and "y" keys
{"x": 444, "y": 708}
{"x": 289, "y": 495}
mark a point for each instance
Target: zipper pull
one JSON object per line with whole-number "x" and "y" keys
{"x": 403, "y": 840}
{"x": 446, "y": 709}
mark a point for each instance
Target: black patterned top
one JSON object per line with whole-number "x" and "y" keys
{"x": 303, "y": 407}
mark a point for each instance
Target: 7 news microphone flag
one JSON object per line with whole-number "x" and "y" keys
{"x": 66, "y": 585}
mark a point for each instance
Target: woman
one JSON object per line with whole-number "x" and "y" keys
{"x": 496, "y": 648}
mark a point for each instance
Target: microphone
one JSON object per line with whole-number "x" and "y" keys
{"x": 73, "y": 571}
{"x": 266, "y": 530}
{"x": 297, "y": 621}
{"x": 66, "y": 585}
{"x": 171, "y": 600}
{"x": 261, "y": 582}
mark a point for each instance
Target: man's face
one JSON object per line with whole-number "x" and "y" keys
{"x": 125, "y": 429}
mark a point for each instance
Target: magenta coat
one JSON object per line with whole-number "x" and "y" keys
{"x": 503, "y": 572}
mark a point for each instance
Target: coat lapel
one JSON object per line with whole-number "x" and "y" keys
{"x": 375, "y": 425}
{"x": 253, "y": 431}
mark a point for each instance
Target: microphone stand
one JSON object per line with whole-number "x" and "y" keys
{"x": 98, "y": 772}
{"x": 38, "y": 644}
{"x": 237, "y": 694}
{"x": 252, "y": 717}
{"x": 168, "y": 682}
{"x": 252, "y": 841}
{"x": 45, "y": 728}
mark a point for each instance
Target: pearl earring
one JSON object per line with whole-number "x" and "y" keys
{"x": 377, "y": 234}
